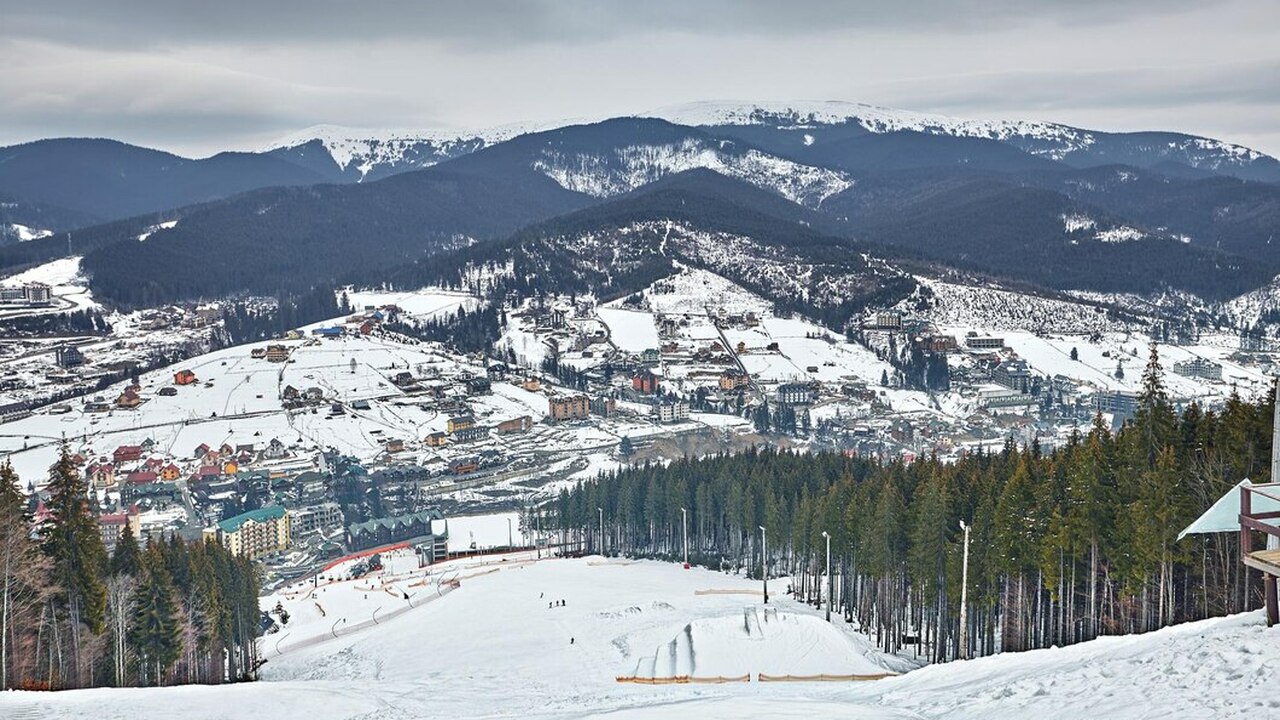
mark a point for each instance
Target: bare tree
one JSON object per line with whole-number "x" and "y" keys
{"x": 120, "y": 590}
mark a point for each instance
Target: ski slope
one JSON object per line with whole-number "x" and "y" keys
{"x": 493, "y": 648}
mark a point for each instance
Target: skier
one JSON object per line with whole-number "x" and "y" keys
{"x": 570, "y": 641}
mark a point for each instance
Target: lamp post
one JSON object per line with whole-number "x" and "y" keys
{"x": 601, "y": 529}
{"x": 827, "y": 535}
{"x": 510, "y": 543}
{"x": 684, "y": 522}
{"x": 964, "y": 596}
{"x": 764, "y": 563}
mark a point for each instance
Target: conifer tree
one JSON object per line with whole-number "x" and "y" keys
{"x": 155, "y": 632}
{"x": 71, "y": 541}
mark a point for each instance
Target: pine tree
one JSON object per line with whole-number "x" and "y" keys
{"x": 24, "y": 583}
{"x": 1075, "y": 354}
{"x": 126, "y": 557}
{"x": 72, "y": 542}
{"x": 155, "y": 631}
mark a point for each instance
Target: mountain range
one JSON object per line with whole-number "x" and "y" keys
{"x": 823, "y": 186}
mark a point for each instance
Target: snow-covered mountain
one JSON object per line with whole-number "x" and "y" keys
{"x": 1072, "y": 145}
{"x": 625, "y": 168}
{"x": 362, "y": 154}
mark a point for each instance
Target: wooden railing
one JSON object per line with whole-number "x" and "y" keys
{"x": 1251, "y": 521}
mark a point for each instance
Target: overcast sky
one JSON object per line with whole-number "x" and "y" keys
{"x": 198, "y": 77}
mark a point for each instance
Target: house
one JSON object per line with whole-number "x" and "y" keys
{"x": 572, "y": 407}
{"x": 669, "y": 412}
{"x": 732, "y": 379}
{"x": 461, "y": 422}
{"x": 329, "y": 332}
{"x": 276, "y": 353}
{"x": 1199, "y": 368}
{"x": 275, "y": 450}
{"x": 974, "y": 341}
{"x": 201, "y": 450}
{"x": 385, "y": 531}
{"x": 888, "y": 321}
{"x": 129, "y": 399}
{"x": 462, "y": 466}
{"x": 436, "y": 439}
{"x": 68, "y": 356}
{"x": 394, "y": 445}
{"x": 254, "y": 534}
{"x": 795, "y": 394}
{"x": 206, "y": 473}
{"x": 479, "y": 386}
{"x": 1013, "y": 374}
{"x": 531, "y": 384}
{"x": 167, "y": 391}
{"x": 471, "y": 433}
{"x": 126, "y": 453}
{"x": 14, "y": 411}
{"x": 102, "y": 475}
{"x": 403, "y": 379}
{"x": 184, "y": 377}
{"x": 650, "y": 356}
{"x": 604, "y": 406}
{"x": 111, "y": 527}
{"x": 258, "y": 353}
{"x": 644, "y": 381}
{"x": 314, "y": 518}
{"x": 497, "y": 371}
{"x": 515, "y": 425}
{"x": 142, "y": 477}
{"x": 170, "y": 472}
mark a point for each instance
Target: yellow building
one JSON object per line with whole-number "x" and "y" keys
{"x": 254, "y": 534}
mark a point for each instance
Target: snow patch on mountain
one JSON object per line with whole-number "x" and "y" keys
{"x": 25, "y": 233}
{"x": 952, "y": 304}
{"x": 630, "y": 167}
{"x": 363, "y": 150}
{"x": 1073, "y": 222}
{"x": 1120, "y": 234}
{"x": 151, "y": 230}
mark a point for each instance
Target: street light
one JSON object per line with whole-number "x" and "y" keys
{"x": 510, "y": 544}
{"x": 964, "y": 596}
{"x": 684, "y": 521}
{"x": 764, "y": 563}
{"x": 827, "y": 535}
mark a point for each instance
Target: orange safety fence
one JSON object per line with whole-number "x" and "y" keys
{"x": 822, "y": 678}
{"x": 364, "y": 553}
{"x": 682, "y": 679}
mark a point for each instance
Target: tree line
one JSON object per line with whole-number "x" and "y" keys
{"x": 1066, "y": 545}
{"x": 73, "y": 615}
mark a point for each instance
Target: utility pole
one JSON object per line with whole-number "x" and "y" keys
{"x": 764, "y": 563}
{"x": 684, "y": 521}
{"x": 964, "y": 596}
{"x": 601, "y": 529}
{"x": 510, "y": 543}
{"x": 827, "y": 535}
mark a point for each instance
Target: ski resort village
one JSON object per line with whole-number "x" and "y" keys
{"x": 341, "y": 380}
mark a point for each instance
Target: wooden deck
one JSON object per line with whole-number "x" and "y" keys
{"x": 1268, "y": 561}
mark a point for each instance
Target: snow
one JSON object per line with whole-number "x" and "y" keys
{"x": 1120, "y": 234}
{"x": 630, "y": 330}
{"x": 494, "y": 648}
{"x": 62, "y": 271}
{"x": 153, "y": 229}
{"x": 25, "y": 233}
{"x": 630, "y": 167}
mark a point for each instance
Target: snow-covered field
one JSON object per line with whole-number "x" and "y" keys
{"x": 494, "y": 648}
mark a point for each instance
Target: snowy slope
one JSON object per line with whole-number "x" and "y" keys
{"x": 629, "y": 167}
{"x": 493, "y": 648}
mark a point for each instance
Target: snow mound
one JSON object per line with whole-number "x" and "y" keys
{"x": 759, "y": 641}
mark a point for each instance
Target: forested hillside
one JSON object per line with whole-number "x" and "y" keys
{"x": 1065, "y": 546}
{"x": 74, "y": 617}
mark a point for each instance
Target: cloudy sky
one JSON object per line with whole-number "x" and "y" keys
{"x": 196, "y": 77}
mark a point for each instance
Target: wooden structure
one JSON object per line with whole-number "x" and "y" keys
{"x": 1267, "y": 560}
